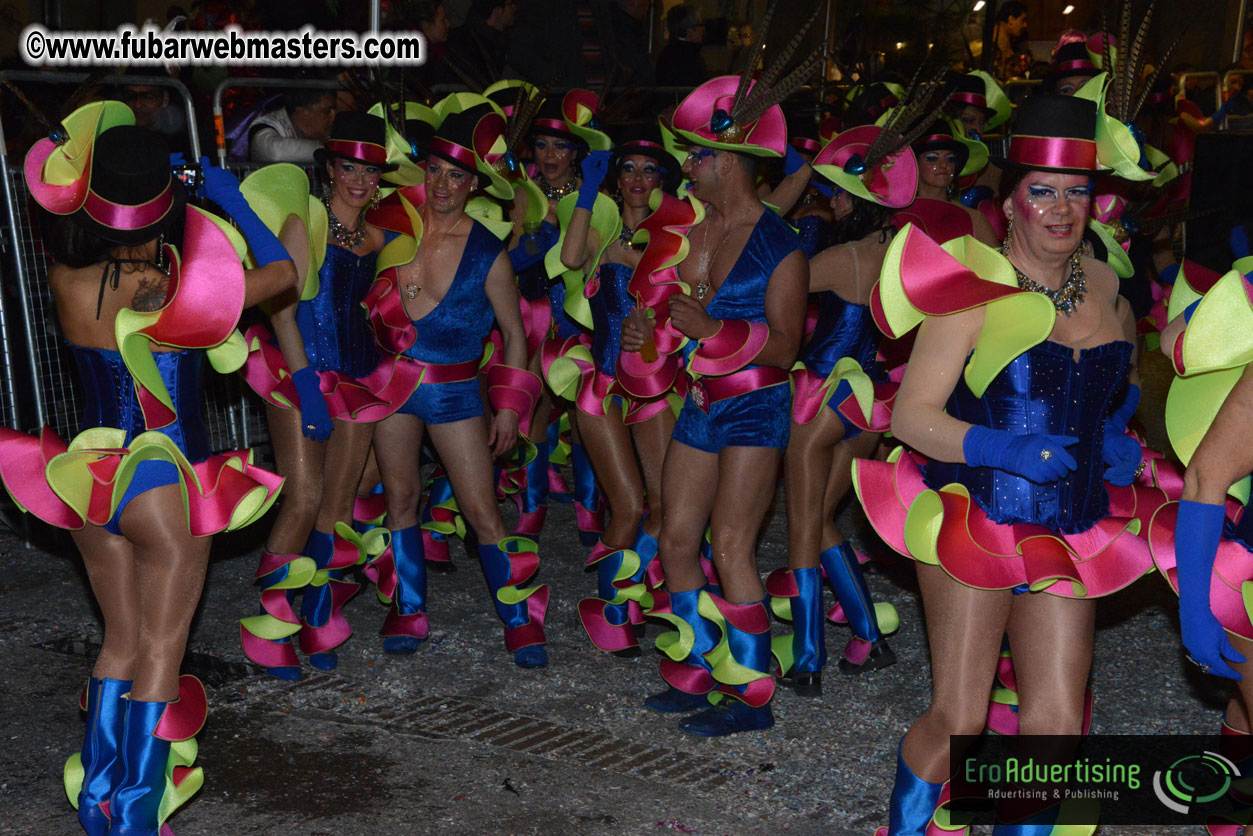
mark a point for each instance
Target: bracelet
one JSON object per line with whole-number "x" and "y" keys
{"x": 1140, "y": 469}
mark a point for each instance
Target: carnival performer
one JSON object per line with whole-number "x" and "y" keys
{"x": 319, "y": 353}
{"x": 1020, "y": 414}
{"x": 433, "y": 304}
{"x": 743, "y": 320}
{"x": 138, "y": 487}
{"x": 561, "y": 137}
{"x": 812, "y": 214}
{"x": 944, "y": 156}
{"x": 830, "y": 424}
{"x": 617, "y": 429}
{"x": 1202, "y": 544}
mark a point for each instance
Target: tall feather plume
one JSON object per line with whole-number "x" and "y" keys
{"x": 1161, "y": 66}
{"x": 760, "y": 102}
{"x": 748, "y": 61}
{"x": 524, "y": 110}
{"x": 1135, "y": 59}
{"x": 1105, "y": 50}
{"x": 29, "y": 105}
{"x": 772, "y": 73}
{"x": 1124, "y": 43}
{"x": 909, "y": 117}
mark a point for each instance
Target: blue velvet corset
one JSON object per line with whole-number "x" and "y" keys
{"x": 844, "y": 329}
{"x": 742, "y": 294}
{"x": 453, "y": 332}
{"x": 110, "y": 399}
{"x": 610, "y": 305}
{"x": 816, "y": 234}
{"x": 335, "y": 328}
{"x": 533, "y": 281}
{"x": 1044, "y": 390}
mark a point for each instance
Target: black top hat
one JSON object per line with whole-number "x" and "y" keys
{"x": 359, "y": 137}
{"x": 550, "y": 121}
{"x": 874, "y": 101}
{"x": 645, "y": 140}
{"x": 454, "y": 139}
{"x": 1054, "y": 133}
{"x": 940, "y": 137}
{"x": 132, "y": 196}
{"x": 1072, "y": 60}
{"x": 969, "y": 90}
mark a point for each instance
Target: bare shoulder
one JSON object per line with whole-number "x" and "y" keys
{"x": 1101, "y": 278}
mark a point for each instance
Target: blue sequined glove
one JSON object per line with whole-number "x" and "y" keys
{"x": 793, "y": 161}
{"x": 222, "y": 187}
{"x": 1038, "y": 457}
{"x": 314, "y": 416}
{"x": 1198, "y": 530}
{"x": 975, "y": 195}
{"x": 594, "y": 168}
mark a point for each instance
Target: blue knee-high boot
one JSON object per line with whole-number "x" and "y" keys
{"x": 868, "y": 650}
{"x": 589, "y": 511}
{"x": 807, "y": 646}
{"x": 321, "y": 610}
{"x": 913, "y": 803}
{"x": 744, "y": 649}
{"x": 92, "y": 775}
{"x": 406, "y": 626}
{"x": 686, "y": 671}
{"x": 506, "y": 566}
{"x": 532, "y": 500}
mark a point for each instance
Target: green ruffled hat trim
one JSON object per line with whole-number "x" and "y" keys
{"x": 1116, "y": 148}
{"x": 607, "y": 223}
{"x": 407, "y": 172}
{"x": 1116, "y": 257}
{"x": 279, "y": 191}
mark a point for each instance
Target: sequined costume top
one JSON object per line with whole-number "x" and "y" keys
{"x": 453, "y": 332}
{"x": 610, "y": 304}
{"x": 815, "y": 234}
{"x": 844, "y": 329}
{"x": 1044, "y": 390}
{"x": 334, "y": 327}
{"x": 110, "y": 399}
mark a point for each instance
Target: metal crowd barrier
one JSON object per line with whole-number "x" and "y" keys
{"x": 40, "y": 386}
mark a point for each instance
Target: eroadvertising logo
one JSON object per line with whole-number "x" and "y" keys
{"x": 1178, "y": 786}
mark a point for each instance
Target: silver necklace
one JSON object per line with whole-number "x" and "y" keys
{"x": 347, "y": 238}
{"x": 412, "y": 289}
{"x": 1067, "y": 297}
{"x": 558, "y": 192}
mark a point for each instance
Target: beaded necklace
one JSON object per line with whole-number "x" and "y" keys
{"x": 1067, "y": 297}
{"x": 347, "y": 238}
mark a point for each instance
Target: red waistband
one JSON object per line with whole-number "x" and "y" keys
{"x": 448, "y": 372}
{"x": 710, "y": 390}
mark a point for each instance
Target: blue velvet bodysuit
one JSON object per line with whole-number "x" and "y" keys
{"x": 761, "y": 418}
{"x": 610, "y": 305}
{"x": 453, "y": 333}
{"x": 336, "y": 330}
{"x": 815, "y": 234}
{"x": 1044, "y": 390}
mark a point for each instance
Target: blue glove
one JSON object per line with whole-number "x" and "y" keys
{"x": 972, "y": 197}
{"x": 1022, "y": 455}
{"x": 177, "y": 159}
{"x": 222, "y": 188}
{"x": 594, "y": 168}
{"x": 533, "y": 246}
{"x": 823, "y": 188}
{"x": 1239, "y": 240}
{"x": 1221, "y": 114}
{"x": 1198, "y": 530}
{"x": 315, "y": 417}
{"x": 793, "y": 161}
{"x": 1120, "y": 451}
{"x": 1169, "y": 275}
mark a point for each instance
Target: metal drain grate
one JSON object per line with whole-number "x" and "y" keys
{"x": 458, "y": 718}
{"x": 210, "y": 670}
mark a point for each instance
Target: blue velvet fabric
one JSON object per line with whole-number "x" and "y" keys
{"x": 445, "y": 403}
{"x": 815, "y": 233}
{"x": 1044, "y": 390}
{"x": 610, "y": 305}
{"x": 148, "y": 476}
{"x": 531, "y": 275}
{"x": 109, "y": 398}
{"x": 756, "y": 419}
{"x": 334, "y": 326}
{"x": 453, "y": 332}
{"x": 563, "y": 326}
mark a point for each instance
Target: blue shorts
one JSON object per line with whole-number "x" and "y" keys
{"x": 149, "y": 475}
{"x": 445, "y": 403}
{"x": 762, "y": 418}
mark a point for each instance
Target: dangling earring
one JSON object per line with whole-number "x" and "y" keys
{"x": 163, "y": 263}
{"x": 951, "y": 192}
{"x": 374, "y": 200}
{"x": 1009, "y": 236}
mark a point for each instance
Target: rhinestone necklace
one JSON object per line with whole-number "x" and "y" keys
{"x": 558, "y": 192}
{"x": 347, "y": 238}
{"x": 1067, "y": 297}
{"x": 412, "y": 288}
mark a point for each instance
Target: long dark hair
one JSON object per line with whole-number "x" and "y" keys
{"x": 865, "y": 218}
{"x": 73, "y": 245}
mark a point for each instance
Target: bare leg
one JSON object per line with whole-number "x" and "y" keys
{"x": 808, "y": 465}
{"x": 652, "y": 438}
{"x": 370, "y": 476}
{"x": 608, "y": 444}
{"x": 169, "y": 570}
{"x": 964, "y": 629}
{"x": 110, "y": 563}
{"x": 463, "y": 449}
{"x": 399, "y": 440}
{"x": 346, "y": 452}
{"x": 738, "y": 511}
{"x": 840, "y": 480}
{"x": 300, "y": 461}
{"x": 693, "y": 475}
{"x": 1052, "y": 641}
